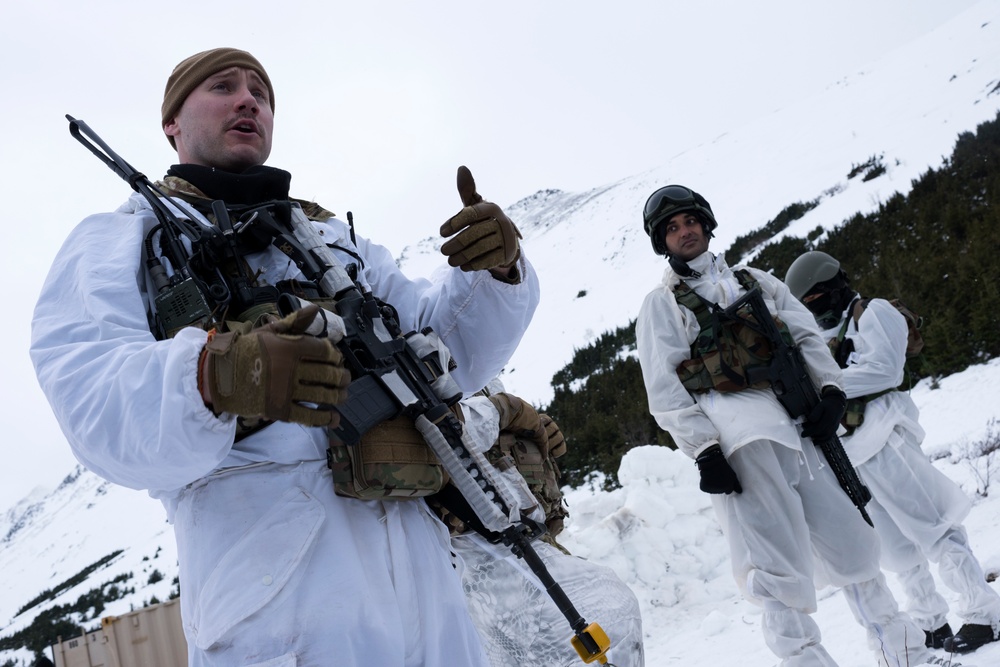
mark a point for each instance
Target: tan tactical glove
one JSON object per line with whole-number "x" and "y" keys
{"x": 554, "y": 436}
{"x": 487, "y": 239}
{"x": 519, "y": 417}
{"x": 275, "y": 372}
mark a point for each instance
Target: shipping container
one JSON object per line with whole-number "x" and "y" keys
{"x": 148, "y": 637}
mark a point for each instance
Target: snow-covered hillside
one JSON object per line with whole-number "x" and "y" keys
{"x": 594, "y": 260}
{"x": 658, "y": 531}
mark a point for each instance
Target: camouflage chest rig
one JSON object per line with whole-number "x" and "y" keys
{"x": 392, "y": 460}
{"x": 727, "y": 355}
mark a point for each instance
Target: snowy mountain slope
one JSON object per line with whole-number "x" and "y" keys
{"x": 658, "y": 531}
{"x": 594, "y": 260}
{"x": 113, "y": 535}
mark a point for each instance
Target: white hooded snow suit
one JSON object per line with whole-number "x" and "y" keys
{"x": 917, "y": 510}
{"x": 791, "y": 505}
{"x": 275, "y": 569}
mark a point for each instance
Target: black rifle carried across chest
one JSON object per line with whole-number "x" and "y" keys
{"x": 781, "y": 368}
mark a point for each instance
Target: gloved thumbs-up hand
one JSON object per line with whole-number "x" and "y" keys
{"x": 483, "y": 236}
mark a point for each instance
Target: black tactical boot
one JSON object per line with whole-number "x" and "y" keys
{"x": 970, "y": 637}
{"x": 935, "y": 638}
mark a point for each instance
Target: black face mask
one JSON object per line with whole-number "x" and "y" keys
{"x": 828, "y": 319}
{"x": 829, "y": 305}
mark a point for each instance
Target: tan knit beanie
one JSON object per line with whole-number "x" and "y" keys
{"x": 192, "y": 71}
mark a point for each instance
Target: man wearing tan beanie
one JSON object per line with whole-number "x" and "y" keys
{"x": 218, "y": 110}
{"x": 170, "y": 366}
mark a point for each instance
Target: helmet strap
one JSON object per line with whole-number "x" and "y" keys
{"x": 681, "y": 267}
{"x": 707, "y": 228}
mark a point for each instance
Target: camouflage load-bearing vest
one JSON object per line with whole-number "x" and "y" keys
{"x": 727, "y": 355}
{"x": 854, "y": 414}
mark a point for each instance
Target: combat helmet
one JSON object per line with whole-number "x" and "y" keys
{"x": 809, "y": 269}
{"x": 669, "y": 201}
{"x": 816, "y": 279}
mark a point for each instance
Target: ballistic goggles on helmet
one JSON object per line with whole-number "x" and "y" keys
{"x": 669, "y": 195}
{"x": 669, "y": 201}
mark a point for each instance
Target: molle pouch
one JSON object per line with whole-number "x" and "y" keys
{"x": 551, "y": 497}
{"x": 258, "y": 315}
{"x": 727, "y": 357}
{"x": 854, "y": 415}
{"x": 528, "y": 458}
{"x": 392, "y": 460}
{"x": 539, "y": 470}
{"x": 695, "y": 376}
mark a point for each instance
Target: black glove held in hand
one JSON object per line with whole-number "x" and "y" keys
{"x": 717, "y": 476}
{"x": 275, "y": 372}
{"x": 824, "y": 419}
{"x": 483, "y": 236}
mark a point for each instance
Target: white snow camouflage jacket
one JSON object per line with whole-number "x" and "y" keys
{"x": 275, "y": 569}
{"x": 665, "y": 331}
{"x": 877, "y": 364}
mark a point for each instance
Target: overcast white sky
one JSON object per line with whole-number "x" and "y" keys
{"x": 377, "y": 103}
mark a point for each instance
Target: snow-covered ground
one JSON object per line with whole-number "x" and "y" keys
{"x": 659, "y": 533}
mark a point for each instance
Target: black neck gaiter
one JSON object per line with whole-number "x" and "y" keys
{"x": 256, "y": 185}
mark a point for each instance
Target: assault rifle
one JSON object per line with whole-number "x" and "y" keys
{"x": 794, "y": 389}
{"x": 393, "y": 374}
{"x": 398, "y": 374}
